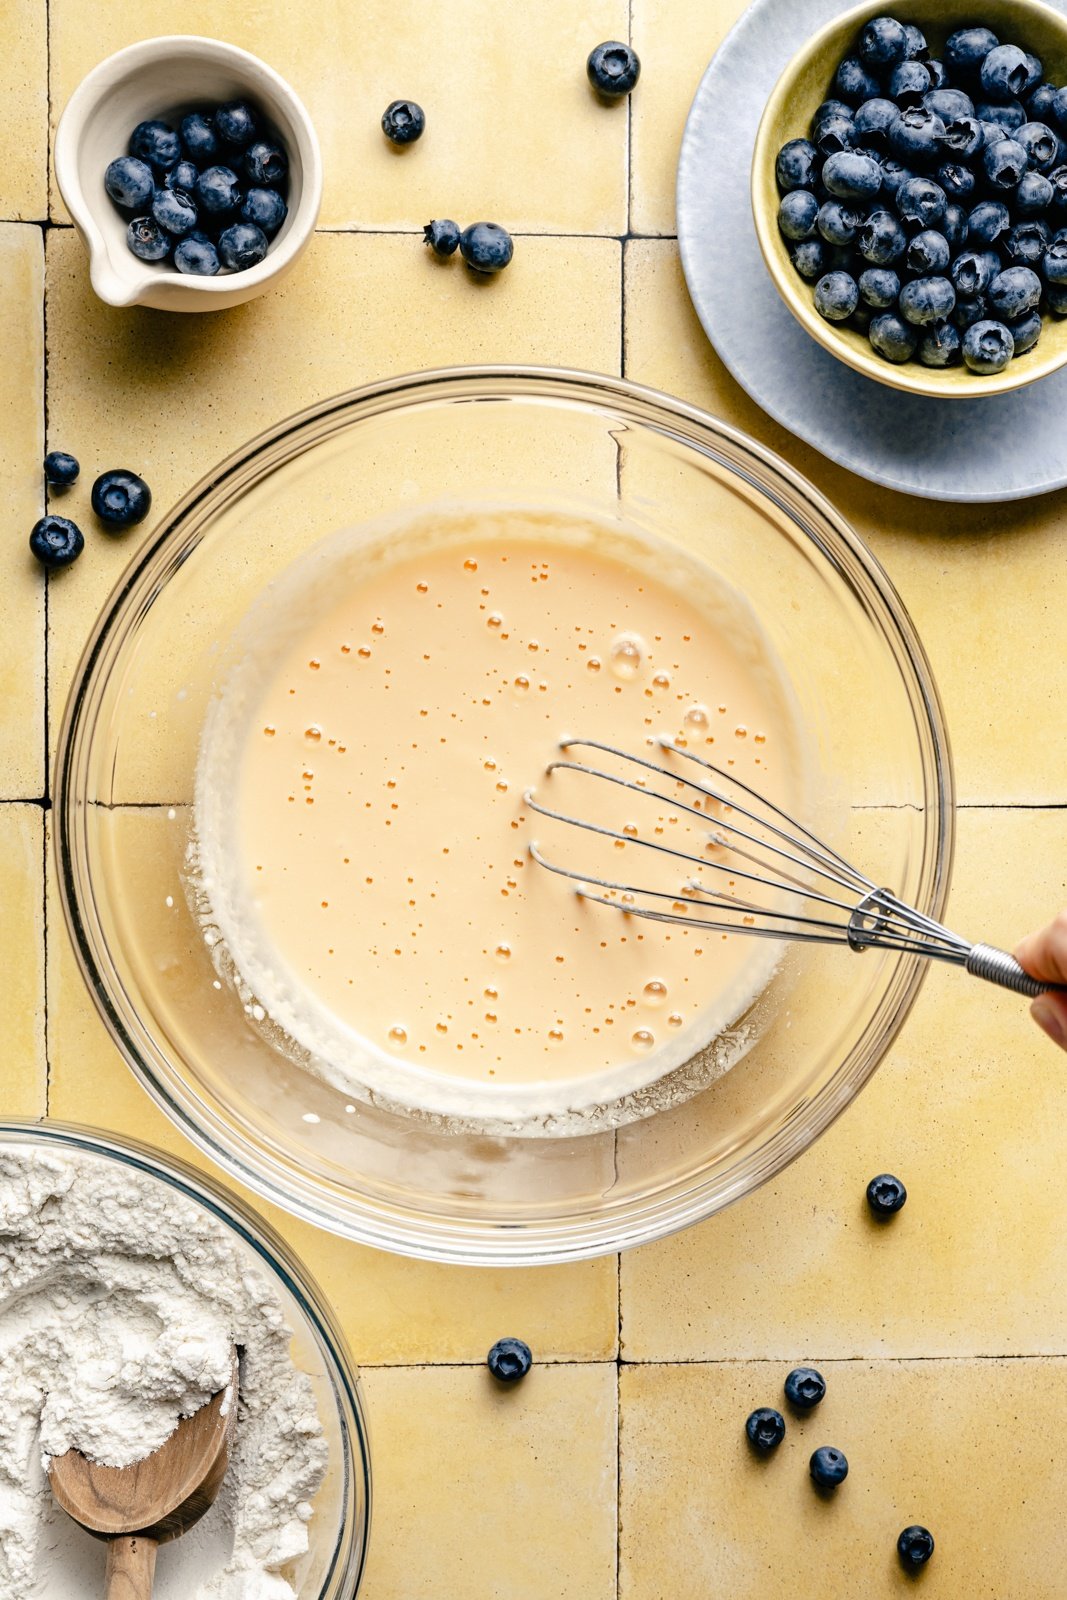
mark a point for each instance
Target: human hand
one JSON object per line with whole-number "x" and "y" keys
{"x": 1044, "y": 955}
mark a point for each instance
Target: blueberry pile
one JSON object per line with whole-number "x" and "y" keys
{"x": 207, "y": 196}
{"x": 929, "y": 206}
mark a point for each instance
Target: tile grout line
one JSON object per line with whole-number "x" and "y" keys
{"x": 714, "y": 1361}
{"x": 47, "y": 784}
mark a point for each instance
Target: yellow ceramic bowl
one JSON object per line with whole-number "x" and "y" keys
{"x": 804, "y": 84}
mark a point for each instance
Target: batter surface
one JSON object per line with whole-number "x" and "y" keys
{"x": 360, "y": 803}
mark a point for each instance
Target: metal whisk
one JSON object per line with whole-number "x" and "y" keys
{"x": 756, "y": 844}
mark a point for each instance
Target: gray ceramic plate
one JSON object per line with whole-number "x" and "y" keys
{"x": 996, "y": 449}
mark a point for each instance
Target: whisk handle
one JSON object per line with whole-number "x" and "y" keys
{"x": 997, "y": 966}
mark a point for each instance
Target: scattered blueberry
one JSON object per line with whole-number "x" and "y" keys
{"x": 265, "y": 162}
{"x": 235, "y": 124}
{"x": 613, "y": 69}
{"x": 828, "y": 1467}
{"x": 147, "y": 239}
{"x": 174, "y": 211}
{"x": 509, "y": 1360}
{"x": 60, "y": 469}
{"x": 241, "y": 246}
{"x": 266, "y": 208}
{"x": 442, "y": 235}
{"x": 403, "y": 122}
{"x": 765, "y": 1429}
{"x": 121, "y": 499}
{"x": 56, "y": 541}
{"x": 836, "y": 296}
{"x": 218, "y": 191}
{"x": 915, "y": 1546}
{"x": 129, "y": 182}
{"x": 196, "y": 255}
{"x": 486, "y": 247}
{"x": 804, "y": 1388}
{"x": 940, "y": 345}
{"x": 892, "y": 338}
{"x": 199, "y": 139}
{"x": 988, "y": 347}
{"x": 157, "y": 144}
{"x": 886, "y": 1194}
{"x": 182, "y": 175}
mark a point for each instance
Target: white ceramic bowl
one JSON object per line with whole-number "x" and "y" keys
{"x": 162, "y": 78}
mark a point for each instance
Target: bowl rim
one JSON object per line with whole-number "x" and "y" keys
{"x": 282, "y": 1181}
{"x": 908, "y": 376}
{"x": 260, "y": 78}
{"x": 237, "y": 1217}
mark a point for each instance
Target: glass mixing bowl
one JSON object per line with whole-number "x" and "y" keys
{"x": 339, "y": 1530}
{"x": 127, "y": 757}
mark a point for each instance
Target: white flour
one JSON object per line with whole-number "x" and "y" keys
{"x": 119, "y": 1304}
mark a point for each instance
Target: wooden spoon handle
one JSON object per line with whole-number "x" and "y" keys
{"x": 131, "y": 1567}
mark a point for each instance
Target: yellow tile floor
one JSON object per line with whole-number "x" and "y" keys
{"x": 618, "y": 1469}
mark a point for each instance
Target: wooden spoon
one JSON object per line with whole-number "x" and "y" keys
{"x": 139, "y": 1508}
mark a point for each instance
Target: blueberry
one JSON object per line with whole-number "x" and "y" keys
{"x": 795, "y": 164}
{"x": 927, "y": 300}
{"x": 442, "y": 235}
{"x": 862, "y": 317}
{"x": 403, "y": 121}
{"x": 837, "y": 223}
{"x": 836, "y": 296}
{"x": 988, "y": 222}
{"x": 196, "y": 255}
{"x": 804, "y": 1388}
{"x": 147, "y": 239}
{"x": 854, "y": 83}
{"x": 613, "y": 69}
{"x": 833, "y": 134}
{"x": 968, "y": 312}
{"x": 765, "y": 1429}
{"x": 964, "y": 136}
{"x": 940, "y": 345}
{"x": 938, "y": 74}
{"x": 973, "y": 272}
{"x": 956, "y": 179}
{"x": 1003, "y": 165}
{"x": 265, "y": 162}
{"x": 1027, "y": 243}
{"x": 916, "y": 135}
{"x": 988, "y": 347}
{"x": 1034, "y": 194}
{"x": 1054, "y": 267}
{"x": 241, "y": 246}
{"x": 157, "y": 144}
{"x": 828, "y": 1467}
{"x": 1006, "y": 72}
{"x": 892, "y": 339}
{"x": 1040, "y": 144}
{"x": 56, "y": 541}
{"x": 949, "y": 104}
{"x": 174, "y": 211}
{"x": 883, "y": 42}
{"x": 509, "y": 1360}
{"x": 886, "y": 1194}
{"x": 1014, "y": 292}
{"x": 909, "y": 83}
{"x": 218, "y": 191}
{"x": 235, "y": 124}
{"x": 894, "y": 174}
{"x": 486, "y": 247}
{"x": 871, "y": 124}
{"x": 927, "y": 253}
{"x": 921, "y": 203}
{"x": 915, "y": 1546}
{"x": 810, "y": 258}
{"x": 918, "y": 49}
{"x": 1059, "y": 109}
{"x": 954, "y": 226}
{"x": 1057, "y": 299}
{"x": 182, "y": 176}
{"x": 60, "y": 469}
{"x": 966, "y": 49}
{"x": 797, "y": 216}
{"x": 199, "y": 139}
{"x": 879, "y": 287}
{"x": 881, "y": 239}
{"x": 1037, "y": 71}
{"x": 850, "y": 175}
{"x": 993, "y": 133}
{"x": 830, "y": 108}
{"x": 129, "y": 182}
{"x": 266, "y": 208}
{"x": 1040, "y": 103}
{"x": 1058, "y": 179}
{"x": 121, "y": 499}
{"x": 1025, "y": 332}
{"x": 1009, "y": 115}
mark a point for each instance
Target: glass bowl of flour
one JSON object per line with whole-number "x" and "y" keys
{"x": 124, "y": 1278}
{"x": 290, "y": 826}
